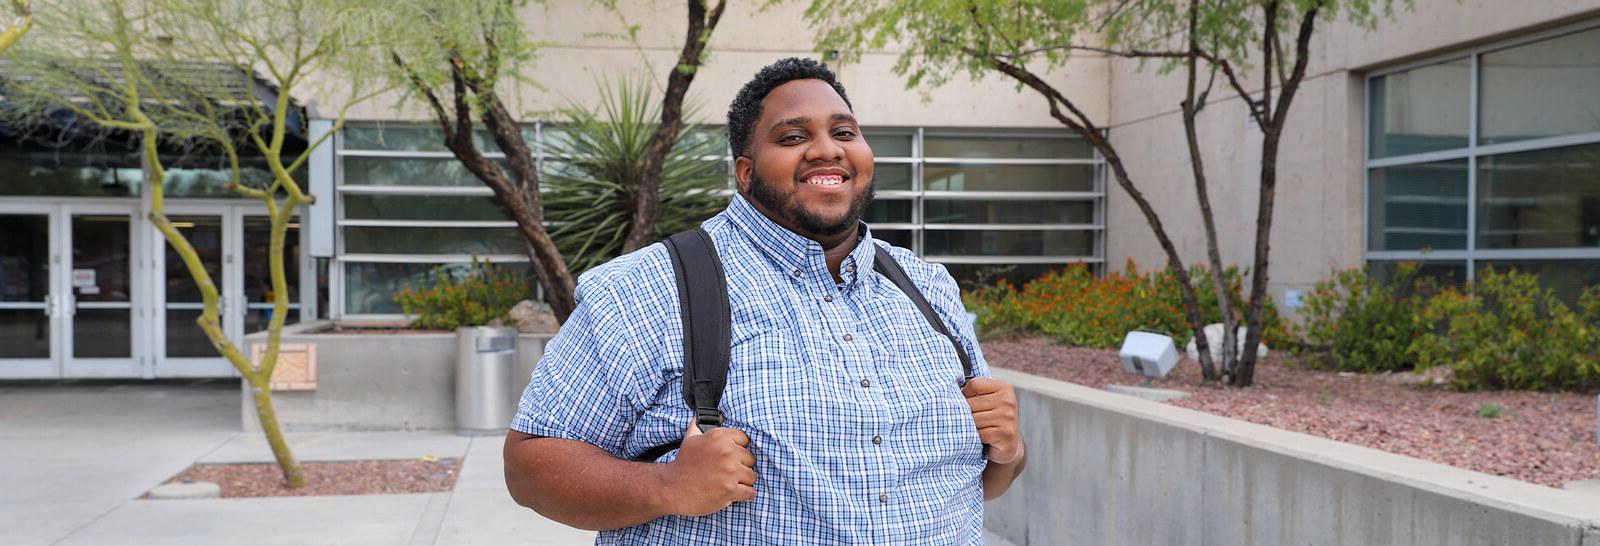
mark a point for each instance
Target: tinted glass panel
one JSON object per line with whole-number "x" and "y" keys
{"x": 1005, "y": 147}
{"x": 408, "y": 139}
{"x": 185, "y": 339}
{"x": 386, "y": 171}
{"x": 24, "y": 333}
{"x": 76, "y": 174}
{"x": 24, "y": 257}
{"x": 978, "y": 177}
{"x": 104, "y": 333}
{"x": 939, "y": 211}
{"x": 1567, "y": 278}
{"x": 888, "y": 144}
{"x": 891, "y": 176}
{"x": 1420, "y": 110}
{"x": 1546, "y": 88}
{"x": 100, "y": 246}
{"x": 1418, "y": 206}
{"x": 393, "y": 240}
{"x": 889, "y": 211}
{"x": 370, "y": 287}
{"x": 257, "y": 252}
{"x": 1009, "y": 243}
{"x": 205, "y": 235}
{"x": 899, "y": 238}
{"x": 408, "y": 207}
{"x": 1540, "y": 199}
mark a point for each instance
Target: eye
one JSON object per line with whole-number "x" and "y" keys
{"x": 844, "y": 133}
{"x": 790, "y": 139}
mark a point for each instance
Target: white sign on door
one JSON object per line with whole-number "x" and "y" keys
{"x": 82, "y": 278}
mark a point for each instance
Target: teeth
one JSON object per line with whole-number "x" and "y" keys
{"x": 826, "y": 180}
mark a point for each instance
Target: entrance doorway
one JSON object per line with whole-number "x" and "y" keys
{"x": 91, "y": 289}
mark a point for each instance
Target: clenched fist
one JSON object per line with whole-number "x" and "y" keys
{"x": 994, "y": 411}
{"x": 713, "y": 470}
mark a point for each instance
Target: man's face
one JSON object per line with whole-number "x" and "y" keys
{"x": 807, "y": 167}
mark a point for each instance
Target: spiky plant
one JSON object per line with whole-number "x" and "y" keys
{"x": 592, "y": 166}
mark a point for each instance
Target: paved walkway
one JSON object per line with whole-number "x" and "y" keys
{"x": 78, "y": 456}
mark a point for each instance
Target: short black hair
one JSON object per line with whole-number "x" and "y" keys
{"x": 746, "y": 107}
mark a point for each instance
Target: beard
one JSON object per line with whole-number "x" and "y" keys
{"x": 785, "y": 205}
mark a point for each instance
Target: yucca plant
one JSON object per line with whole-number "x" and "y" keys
{"x": 592, "y": 165}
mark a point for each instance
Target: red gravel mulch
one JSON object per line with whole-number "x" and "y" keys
{"x": 330, "y": 478}
{"x": 1541, "y": 437}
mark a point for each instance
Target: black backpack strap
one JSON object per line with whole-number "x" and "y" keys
{"x": 703, "y": 305}
{"x": 884, "y": 263}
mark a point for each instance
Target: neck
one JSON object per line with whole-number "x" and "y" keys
{"x": 835, "y": 251}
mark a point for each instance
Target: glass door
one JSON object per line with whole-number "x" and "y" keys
{"x": 29, "y": 341}
{"x": 97, "y": 296}
{"x": 258, "y": 293}
{"x": 184, "y": 348}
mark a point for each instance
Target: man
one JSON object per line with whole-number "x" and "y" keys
{"x": 848, "y": 418}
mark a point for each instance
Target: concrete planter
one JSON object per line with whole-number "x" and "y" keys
{"x": 1105, "y": 468}
{"x": 378, "y": 381}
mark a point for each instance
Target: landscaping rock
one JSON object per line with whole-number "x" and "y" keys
{"x": 534, "y": 318}
{"x": 1214, "y": 339}
{"x": 186, "y": 490}
{"x": 1149, "y": 393}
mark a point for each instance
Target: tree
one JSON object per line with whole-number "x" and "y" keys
{"x": 1023, "y": 39}
{"x": 458, "y": 60}
{"x": 190, "y": 74}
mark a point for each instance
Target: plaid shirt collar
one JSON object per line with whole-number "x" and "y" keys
{"x": 798, "y": 255}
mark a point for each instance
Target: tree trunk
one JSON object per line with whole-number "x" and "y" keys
{"x": 1191, "y": 109}
{"x": 647, "y": 190}
{"x": 293, "y": 475}
{"x": 1271, "y": 138}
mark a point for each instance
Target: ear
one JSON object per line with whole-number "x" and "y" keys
{"x": 743, "y": 167}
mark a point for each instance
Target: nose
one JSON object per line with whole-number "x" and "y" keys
{"x": 825, "y": 150}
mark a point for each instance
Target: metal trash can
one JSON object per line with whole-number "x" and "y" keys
{"x": 485, "y": 359}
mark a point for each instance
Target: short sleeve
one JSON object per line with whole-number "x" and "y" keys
{"x": 589, "y": 384}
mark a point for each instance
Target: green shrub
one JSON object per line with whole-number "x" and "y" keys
{"x": 1357, "y": 323}
{"x": 1073, "y": 306}
{"x": 482, "y": 295}
{"x": 1489, "y": 411}
{"x": 1511, "y": 333}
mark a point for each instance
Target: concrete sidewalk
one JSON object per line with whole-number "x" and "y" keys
{"x": 80, "y": 454}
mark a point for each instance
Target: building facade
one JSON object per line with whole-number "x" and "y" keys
{"x": 1460, "y": 134}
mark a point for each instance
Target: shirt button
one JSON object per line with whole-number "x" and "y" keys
{"x": 877, "y": 439}
{"x": 847, "y": 337}
{"x": 797, "y": 273}
{"x": 866, "y": 383}
{"x": 850, "y": 268}
{"x": 828, "y": 298}
{"x": 883, "y": 498}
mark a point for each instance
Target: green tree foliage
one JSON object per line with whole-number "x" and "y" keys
{"x": 588, "y": 199}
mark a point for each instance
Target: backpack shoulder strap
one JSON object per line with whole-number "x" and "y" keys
{"x": 885, "y": 264}
{"x": 703, "y": 305}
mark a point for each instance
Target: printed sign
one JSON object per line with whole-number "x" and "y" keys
{"x": 82, "y": 277}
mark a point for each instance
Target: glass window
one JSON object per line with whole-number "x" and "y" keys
{"x": 1415, "y": 207}
{"x": 71, "y": 174}
{"x": 940, "y": 211}
{"x": 1008, "y": 243}
{"x": 1546, "y": 88}
{"x": 1567, "y": 278}
{"x": 889, "y": 211}
{"x": 1419, "y": 110}
{"x": 981, "y": 177}
{"x": 370, "y": 287}
{"x": 1010, "y": 147}
{"x": 416, "y": 240}
{"x": 410, "y": 139}
{"x": 891, "y": 176}
{"x": 971, "y": 276}
{"x": 1540, "y": 199}
{"x": 897, "y": 237}
{"x": 409, "y": 207}
{"x": 889, "y": 143}
{"x": 1447, "y": 272}
{"x": 388, "y": 171}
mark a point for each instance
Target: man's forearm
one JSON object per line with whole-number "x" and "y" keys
{"x": 997, "y": 477}
{"x": 581, "y": 485}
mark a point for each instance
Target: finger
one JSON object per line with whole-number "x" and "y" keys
{"x": 747, "y": 477}
{"x": 739, "y": 437}
{"x": 694, "y": 429}
{"x": 746, "y": 458}
{"x": 745, "y": 493}
{"x": 982, "y": 385}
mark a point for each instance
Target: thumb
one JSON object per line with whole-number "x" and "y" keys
{"x": 694, "y": 429}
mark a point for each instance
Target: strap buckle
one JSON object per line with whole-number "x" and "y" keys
{"x": 708, "y": 418}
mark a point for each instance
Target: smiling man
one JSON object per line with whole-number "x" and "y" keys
{"x": 848, "y": 419}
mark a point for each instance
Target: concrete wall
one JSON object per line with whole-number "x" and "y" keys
{"x": 378, "y": 381}
{"x": 586, "y": 46}
{"x": 1106, "y": 469}
{"x": 1318, "y": 225}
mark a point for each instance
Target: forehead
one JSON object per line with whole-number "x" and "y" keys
{"x": 801, "y": 98}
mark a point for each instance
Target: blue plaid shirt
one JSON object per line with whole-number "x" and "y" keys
{"x": 851, "y": 400}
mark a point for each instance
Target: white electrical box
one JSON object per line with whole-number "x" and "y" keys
{"x": 1149, "y": 354}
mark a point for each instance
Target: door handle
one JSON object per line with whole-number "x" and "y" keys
{"x": 50, "y": 305}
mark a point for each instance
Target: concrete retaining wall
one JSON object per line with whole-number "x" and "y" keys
{"x": 1108, "y": 469}
{"x": 377, "y": 381}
